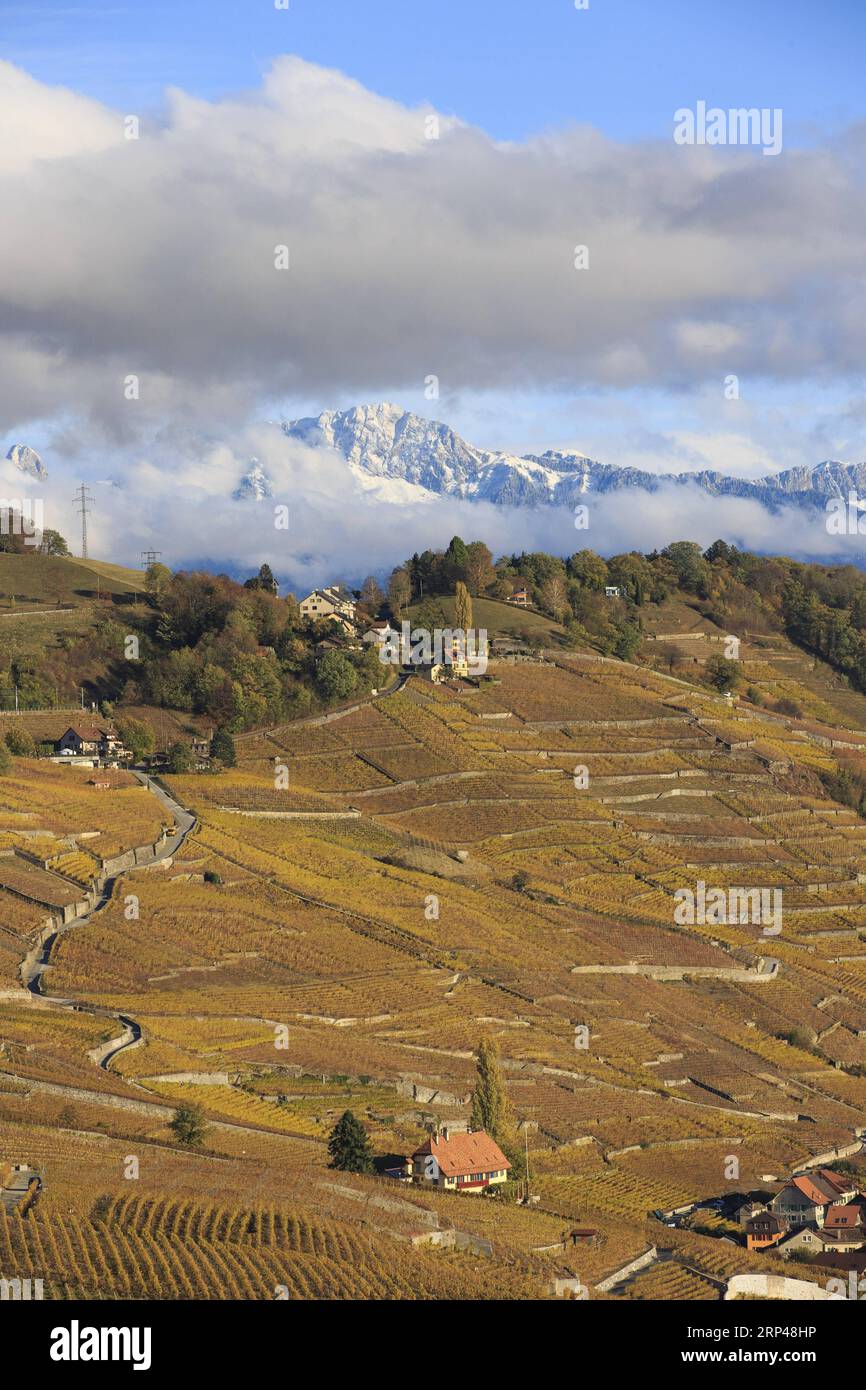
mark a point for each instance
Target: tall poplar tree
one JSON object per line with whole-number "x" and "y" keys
{"x": 490, "y": 1109}
{"x": 462, "y": 608}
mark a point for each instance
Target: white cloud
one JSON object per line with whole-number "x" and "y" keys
{"x": 40, "y": 123}
{"x": 178, "y": 500}
{"x": 409, "y": 256}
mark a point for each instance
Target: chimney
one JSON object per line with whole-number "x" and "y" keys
{"x": 445, "y": 1133}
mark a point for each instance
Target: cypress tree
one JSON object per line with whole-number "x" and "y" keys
{"x": 490, "y": 1108}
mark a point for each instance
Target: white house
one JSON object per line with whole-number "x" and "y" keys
{"x": 92, "y": 740}
{"x": 335, "y": 601}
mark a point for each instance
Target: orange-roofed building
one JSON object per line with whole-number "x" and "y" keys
{"x": 806, "y": 1199}
{"x": 463, "y": 1162}
{"x": 847, "y": 1216}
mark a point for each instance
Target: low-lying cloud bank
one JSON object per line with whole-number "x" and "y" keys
{"x": 179, "y": 501}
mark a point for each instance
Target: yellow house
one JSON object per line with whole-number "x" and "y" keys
{"x": 464, "y": 1162}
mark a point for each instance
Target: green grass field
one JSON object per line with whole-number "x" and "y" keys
{"x": 31, "y": 581}
{"x": 502, "y": 619}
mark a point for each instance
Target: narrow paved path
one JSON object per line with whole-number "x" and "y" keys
{"x": 39, "y": 958}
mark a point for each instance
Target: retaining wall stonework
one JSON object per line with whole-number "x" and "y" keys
{"x": 778, "y": 1286}
{"x": 640, "y": 1262}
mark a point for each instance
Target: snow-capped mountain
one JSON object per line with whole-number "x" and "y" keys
{"x": 255, "y": 485}
{"x": 397, "y": 448}
{"x": 27, "y": 459}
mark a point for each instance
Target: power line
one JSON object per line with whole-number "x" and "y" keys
{"x": 80, "y": 499}
{"x": 149, "y": 557}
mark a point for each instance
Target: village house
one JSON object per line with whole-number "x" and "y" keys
{"x": 763, "y": 1230}
{"x": 464, "y": 1162}
{"x": 336, "y": 603}
{"x": 92, "y": 740}
{"x": 200, "y": 746}
{"x": 755, "y": 1203}
{"x": 846, "y": 1216}
{"x": 520, "y": 597}
{"x": 813, "y": 1240}
{"x": 612, "y": 591}
{"x": 805, "y": 1200}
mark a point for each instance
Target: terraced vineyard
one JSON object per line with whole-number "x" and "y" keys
{"x": 435, "y": 871}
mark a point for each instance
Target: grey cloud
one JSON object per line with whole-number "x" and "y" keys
{"x": 408, "y": 257}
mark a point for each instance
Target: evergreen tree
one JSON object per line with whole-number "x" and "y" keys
{"x": 349, "y": 1145}
{"x": 263, "y": 580}
{"x": 490, "y": 1109}
{"x": 456, "y": 561}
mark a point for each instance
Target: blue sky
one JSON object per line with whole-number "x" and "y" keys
{"x": 513, "y": 67}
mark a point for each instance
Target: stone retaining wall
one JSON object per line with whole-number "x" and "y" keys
{"x": 640, "y": 1262}
{"x": 778, "y": 1286}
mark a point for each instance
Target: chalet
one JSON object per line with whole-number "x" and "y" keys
{"x": 763, "y": 1230}
{"x": 92, "y": 740}
{"x": 520, "y": 597}
{"x": 335, "y": 602}
{"x": 465, "y": 1162}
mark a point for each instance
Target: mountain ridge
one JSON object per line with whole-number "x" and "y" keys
{"x": 384, "y": 444}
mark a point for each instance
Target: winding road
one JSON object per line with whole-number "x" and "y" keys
{"x": 39, "y": 958}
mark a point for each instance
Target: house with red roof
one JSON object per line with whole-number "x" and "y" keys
{"x": 806, "y": 1199}
{"x": 467, "y": 1161}
{"x": 847, "y": 1216}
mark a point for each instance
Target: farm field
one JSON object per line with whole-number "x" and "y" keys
{"x": 432, "y": 875}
